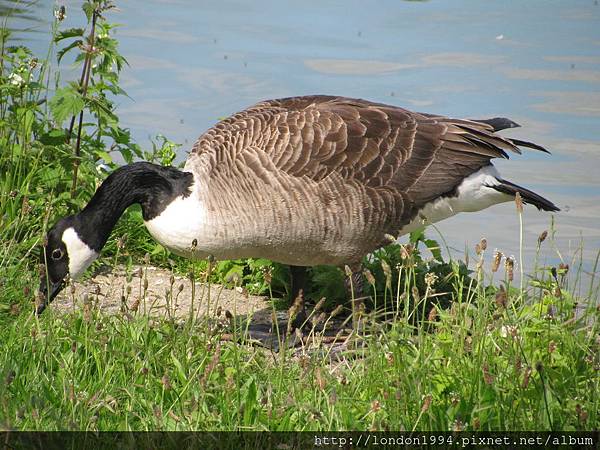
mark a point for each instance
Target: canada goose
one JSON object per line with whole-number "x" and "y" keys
{"x": 302, "y": 181}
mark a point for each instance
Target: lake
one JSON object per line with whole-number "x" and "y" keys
{"x": 536, "y": 62}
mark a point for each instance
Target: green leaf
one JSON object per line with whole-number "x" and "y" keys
{"x": 35, "y": 85}
{"x": 66, "y": 34}
{"x": 234, "y": 275}
{"x": 158, "y": 249}
{"x": 53, "y": 137}
{"x": 417, "y": 235}
{"x": 126, "y": 154}
{"x": 88, "y": 8}
{"x": 104, "y": 155}
{"x": 66, "y": 102}
{"x": 64, "y": 50}
{"x": 101, "y": 107}
{"x": 181, "y": 372}
{"x": 120, "y": 136}
{"x": 250, "y": 400}
{"x": 434, "y": 248}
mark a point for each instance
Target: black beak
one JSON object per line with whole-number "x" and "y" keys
{"x": 48, "y": 291}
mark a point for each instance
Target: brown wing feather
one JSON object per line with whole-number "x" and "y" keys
{"x": 378, "y": 145}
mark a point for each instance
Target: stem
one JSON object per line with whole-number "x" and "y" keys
{"x": 594, "y": 271}
{"x": 547, "y": 408}
{"x": 84, "y": 82}
{"x": 3, "y": 37}
{"x": 81, "y": 81}
{"x": 522, "y": 274}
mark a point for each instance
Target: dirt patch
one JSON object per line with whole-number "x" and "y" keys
{"x": 160, "y": 293}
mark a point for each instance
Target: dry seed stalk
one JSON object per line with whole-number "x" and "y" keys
{"x": 426, "y": 403}
{"x": 369, "y": 276}
{"x": 519, "y": 203}
{"x": 497, "y": 260}
{"x": 211, "y": 365}
{"x": 509, "y": 265}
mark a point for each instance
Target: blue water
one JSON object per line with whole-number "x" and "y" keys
{"x": 537, "y": 62}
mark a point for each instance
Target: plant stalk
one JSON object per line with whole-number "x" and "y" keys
{"x": 84, "y": 82}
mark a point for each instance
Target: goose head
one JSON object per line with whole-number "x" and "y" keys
{"x": 66, "y": 254}
{"x": 74, "y": 242}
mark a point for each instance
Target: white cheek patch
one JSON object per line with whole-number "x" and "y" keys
{"x": 80, "y": 255}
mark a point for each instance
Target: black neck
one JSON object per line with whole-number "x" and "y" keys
{"x": 153, "y": 187}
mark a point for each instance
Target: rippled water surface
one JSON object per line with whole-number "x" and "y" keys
{"x": 537, "y": 62}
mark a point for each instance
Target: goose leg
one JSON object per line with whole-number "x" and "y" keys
{"x": 298, "y": 285}
{"x": 354, "y": 281}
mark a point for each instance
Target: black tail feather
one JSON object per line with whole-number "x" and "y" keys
{"x": 502, "y": 123}
{"x": 529, "y": 197}
{"x": 499, "y": 123}
{"x": 528, "y": 144}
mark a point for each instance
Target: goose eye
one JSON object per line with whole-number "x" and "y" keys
{"x": 57, "y": 254}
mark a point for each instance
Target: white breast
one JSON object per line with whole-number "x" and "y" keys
{"x": 183, "y": 225}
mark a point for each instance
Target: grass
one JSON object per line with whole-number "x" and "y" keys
{"x": 436, "y": 347}
{"x": 495, "y": 360}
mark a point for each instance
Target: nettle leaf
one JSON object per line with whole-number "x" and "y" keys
{"x": 80, "y": 58}
{"x": 110, "y": 77}
{"x": 66, "y": 34}
{"x": 417, "y": 235}
{"x": 101, "y": 105}
{"x": 64, "y": 50}
{"x": 434, "y": 248}
{"x": 89, "y": 9}
{"x": 120, "y": 135}
{"x": 53, "y": 137}
{"x": 111, "y": 87}
{"x": 34, "y": 85}
{"x": 126, "y": 154}
{"x": 104, "y": 155}
{"x": 66, "y": 102}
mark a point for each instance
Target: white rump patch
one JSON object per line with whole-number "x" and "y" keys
{"x": 473, "y": 194}
{"x": 80, "y": 255}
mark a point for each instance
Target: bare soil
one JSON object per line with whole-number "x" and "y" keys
{"x": 115, "y": 290}
{"x": 160, "y": 293}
